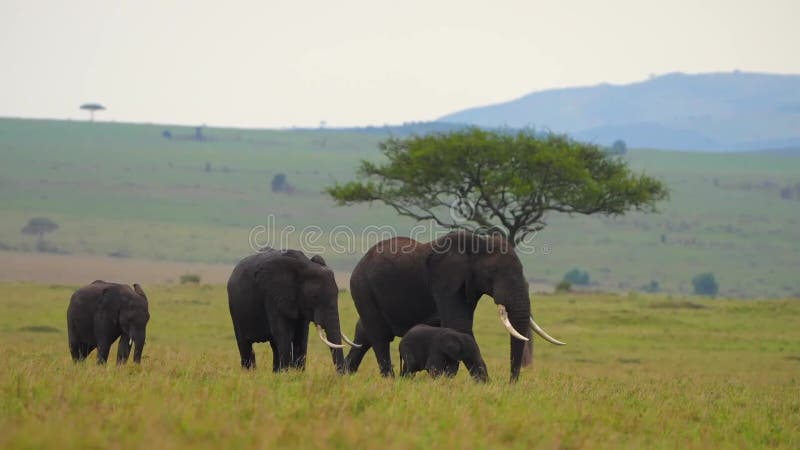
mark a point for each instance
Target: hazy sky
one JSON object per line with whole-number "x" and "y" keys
{"x": 279, "y": 64}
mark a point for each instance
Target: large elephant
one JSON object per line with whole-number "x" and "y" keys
{"x": 440, "y": 351}
{"x": 401, "y": 283}
{"x": 273, "y": 296}
{"x": 100, "y": 313}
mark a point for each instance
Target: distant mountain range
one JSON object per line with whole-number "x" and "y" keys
{"x": 716, "y": 111}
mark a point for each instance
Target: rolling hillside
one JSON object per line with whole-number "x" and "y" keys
{"x": 125, "y": 191}
{"x": 716, "y": 111}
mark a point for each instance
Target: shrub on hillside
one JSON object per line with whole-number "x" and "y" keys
{"x": 563, "y": 286}
{"x": 190, "y": 278}
{"x": 577, "y": 277}
{"x": 651, "y": 287}
{"x": 705, "y": 284}
{"x": 281, "y": 185}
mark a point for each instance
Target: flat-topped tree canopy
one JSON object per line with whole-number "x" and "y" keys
{"x": 499, "y": 180}
{"x": 92, "y": 107}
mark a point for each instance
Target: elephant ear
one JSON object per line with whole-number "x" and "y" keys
{"x": 450, "y": 345}
{"x": 108, "y": 308}
{"x": 449, "y": 267}
{"x": 278, "y": 281}
{"x": 138, "y": 290}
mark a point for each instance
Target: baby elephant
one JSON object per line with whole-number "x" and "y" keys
{"x": 100, "y": 313}
{"x": 439, "y": 351}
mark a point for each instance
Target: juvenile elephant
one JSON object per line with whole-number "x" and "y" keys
{"x": 100, "y": 313}
{"x": 439, "y": 351}
{"x": 273, "y": 295}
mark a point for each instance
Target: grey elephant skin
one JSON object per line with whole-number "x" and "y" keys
{"x": 273, "y": 296}
{"x": 101, "y": 312}
{"x": 439, "y": 351}
{"x": 400, "y": 283}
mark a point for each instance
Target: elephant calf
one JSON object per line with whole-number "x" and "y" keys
{"x": 439, "y": 351}
{"x": 100, "y": 313}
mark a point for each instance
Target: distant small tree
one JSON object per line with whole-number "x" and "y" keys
{"x": 39, "y": 226}
{"x": 705, "y": 284}
{"x": 280, "y": 185}
{"x": 278, "y": 182}
{"x": 92, "y": 107}
{"x": 577, "y": 277}
{"x": 651, "y": 287}
{"x": 190, "y": 278}
{"x": 618, "y": 147}
{"x": 208, "y": 166}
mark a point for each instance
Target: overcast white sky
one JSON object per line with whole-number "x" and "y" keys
{"x": 279, "y": 64}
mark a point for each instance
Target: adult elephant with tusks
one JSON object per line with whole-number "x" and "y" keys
{"x": 401, "y": 283}
{"x": 273, "y": 296}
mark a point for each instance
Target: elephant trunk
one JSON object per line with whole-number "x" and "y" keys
{"x": 514, "y": 307}
{"x": 329, "y": 323}
{"x": 519, "y": 321}
{"x": 138, "y": 338}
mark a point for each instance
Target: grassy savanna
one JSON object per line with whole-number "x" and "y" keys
{"x": 125, "y": 190}
{"x": 638, "y": 372}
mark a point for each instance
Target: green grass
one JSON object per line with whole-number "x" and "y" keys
{"x": 123, "y": 188}
{"x": 638, "y": 372}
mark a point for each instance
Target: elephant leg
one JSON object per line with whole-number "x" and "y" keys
{"x": 451, "y": 369}
{"x": 84, "y": 350}
{"x": 123, "y": 349}
{"x": 300, "y": 345}
{"x": 407, "y": 366}
{"x": 384, "y": 358}
{"x": 284, "y": 347}
{"x": 75, "y": 351}
{"x": 356, "y": 354}
{"x": 103, "y": 347}
{"x": 75, "y": 348}
{"x": 275, "y": 361}
{"x": 283, "y": 332}
{"x": 247, "y": 354}
{"x": 438, "y": 365}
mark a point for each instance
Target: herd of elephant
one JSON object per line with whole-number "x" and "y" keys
{"x": 425, "y": 293}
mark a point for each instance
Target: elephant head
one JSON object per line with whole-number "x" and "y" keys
{"x": 127, "y": 309}
{"x": 462, "y": 267}
{"x": 316, "y": 295}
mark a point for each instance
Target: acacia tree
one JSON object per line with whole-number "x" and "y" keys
{"x": 92, "y": 107}
{"x": 39, "y": 226}
{"x": 498, "y": 181}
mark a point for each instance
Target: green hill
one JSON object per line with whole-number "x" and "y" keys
{"x": 128, "y": 191}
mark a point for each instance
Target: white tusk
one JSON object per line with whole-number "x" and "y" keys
{"x": 349, "y": 342}
{"x": 535, "y": 327}
{"x": 504, "y": 318}
{"x": 330, "y": 344}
